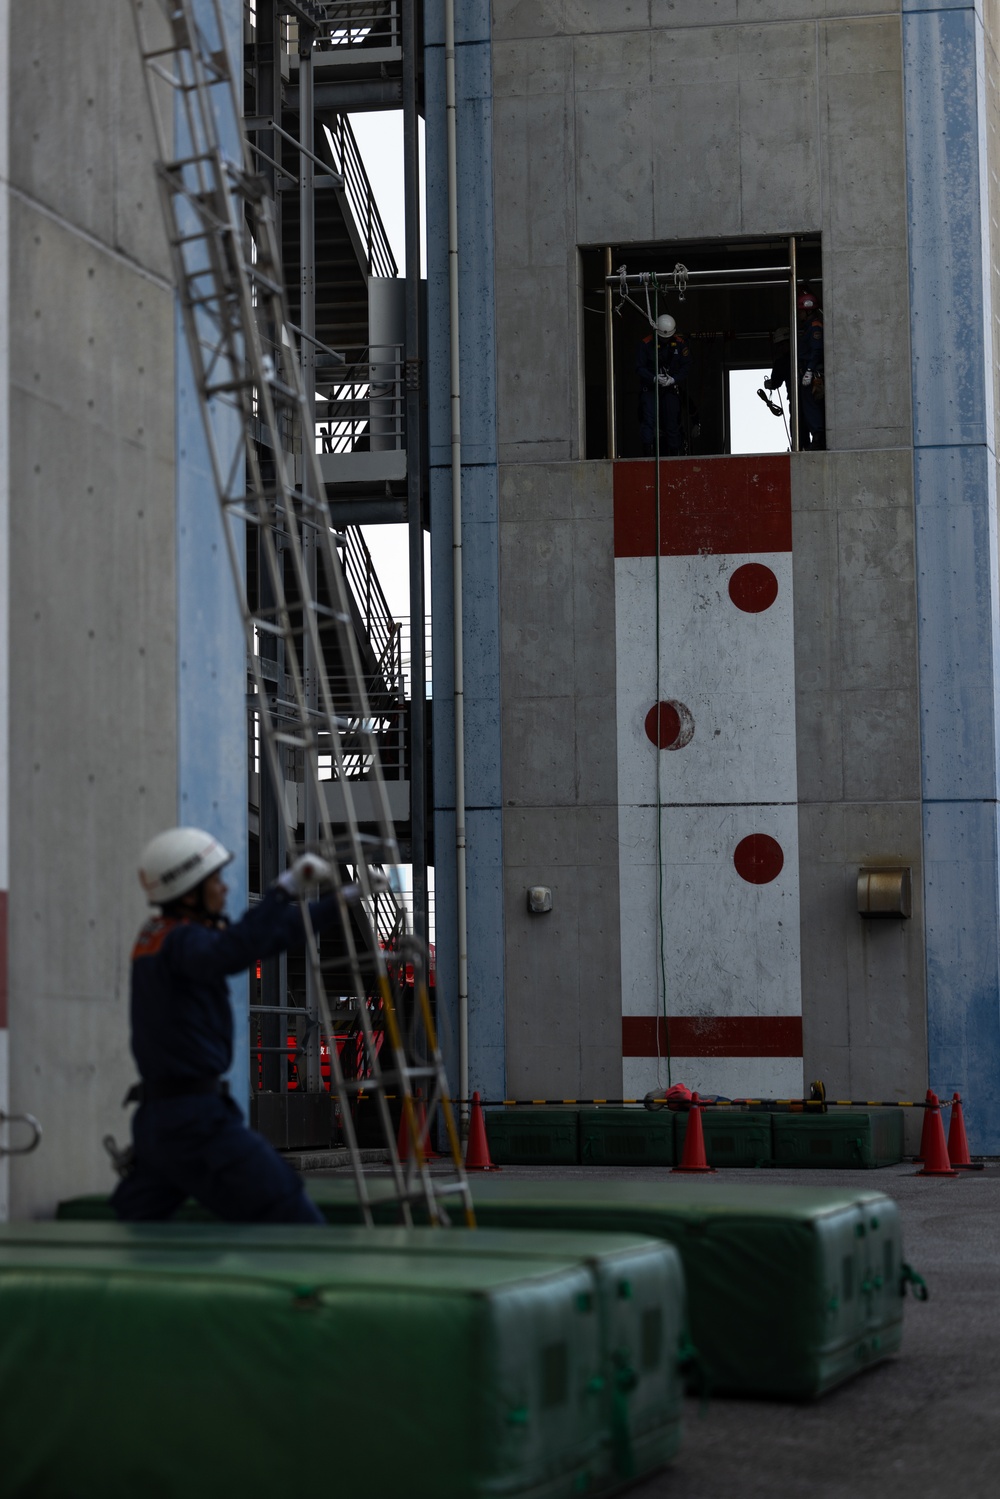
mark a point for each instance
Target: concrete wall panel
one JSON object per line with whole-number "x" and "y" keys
{"x": 857, "y": 706}
{"x": 866, "y": 348}
{"x": 809, "y": 10}
{"x": 564, "y": 1012}
{"x": 560, "y": 777}
{"x": 864, "y": 1019}
{"x": 62, "y": 151}
{"x": 537, "y": 389}
{"x": 689, "y": 141}
{"x": 614, "y": 201}
{"x": 535, "y": 177}
{"x": 93, "y": 670}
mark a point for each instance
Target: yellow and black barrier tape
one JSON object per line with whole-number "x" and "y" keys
{"x": 807, "y": 1105}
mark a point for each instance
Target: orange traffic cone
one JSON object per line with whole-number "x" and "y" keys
{"x": 958, "y": 1140}
{"x": 694, "y": 1158}
{"x": 403, "y": 1136}
{"x": 430, "y": 1154}
{"x": 925, "y": 1133}
{"x": 403, "y": 1148}
{"x": 936, "y": 1162}
{"x": 477, "y": 1150}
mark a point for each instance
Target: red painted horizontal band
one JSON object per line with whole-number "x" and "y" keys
{"x": 707, "y": 505}
{"x": 713, "y": 1035}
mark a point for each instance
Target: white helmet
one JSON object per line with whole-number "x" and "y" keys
{"x": 665, "y": 325}
{"x": 177, "y": 861}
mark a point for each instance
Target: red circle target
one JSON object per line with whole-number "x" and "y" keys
{"x": 753, "y": 588}
{"x": 669, "y": 725}
{"x": 759, "y": 859}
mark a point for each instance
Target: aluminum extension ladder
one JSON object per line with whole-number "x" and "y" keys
{"x": 259, "y": 429}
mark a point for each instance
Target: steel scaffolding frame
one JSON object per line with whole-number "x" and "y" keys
{"x": 227, "y": 266}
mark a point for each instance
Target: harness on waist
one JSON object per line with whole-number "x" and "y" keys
{"x": 181, "y": 1087}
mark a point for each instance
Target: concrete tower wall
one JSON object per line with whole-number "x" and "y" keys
{"x": 89, "y": 389}
{"x": 636, "y": 124}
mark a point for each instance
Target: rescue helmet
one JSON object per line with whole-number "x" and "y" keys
{"x": 665, "y": 325}
{"x": 806, "y": 302}
{"x": 177, "y": 861}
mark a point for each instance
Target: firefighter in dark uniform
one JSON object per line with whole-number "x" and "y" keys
{"x": 812, "y": 407}
{"x": 189, "y": 1138}
{"x": 660, "y": 382}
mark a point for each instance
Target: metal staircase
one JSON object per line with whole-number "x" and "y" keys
{"x": 316, "y": 721}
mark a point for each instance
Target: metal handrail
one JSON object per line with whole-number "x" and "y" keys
{"x": 353, "y": 22}
{"x": 362, "y": 580}
{"x": 366, "y": 406}
{"x": 347, "y": 23}
{"x": 349, "y": 164}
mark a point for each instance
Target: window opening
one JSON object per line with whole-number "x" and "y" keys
{"x": 758, "y": 417}
{"x": 729, "y": 312}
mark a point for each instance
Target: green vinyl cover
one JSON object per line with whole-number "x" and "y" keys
{"x": 841, "y": 1138}
{"x": 533, "y": 1137}
{"x": 612, "y": 1136}
{"x": 790, "y": 1290}
{"x": 547, "y": 1362}
{"x": 733, "y": 1137}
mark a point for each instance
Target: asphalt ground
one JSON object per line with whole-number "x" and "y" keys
{"x": 924, "y": 1424}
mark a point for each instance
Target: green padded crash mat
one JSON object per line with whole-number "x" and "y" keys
{"x": 553, "y": 1353}
{"x": 841, "y": 1138}
{"x": 533, "y": 1137}
{"x": 791, "y": 1290}
{"x": 612, "y": 1136}
{"x": 733, "y": 1137}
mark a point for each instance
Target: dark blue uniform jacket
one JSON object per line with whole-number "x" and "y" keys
{"x": 182, "y": 1023}
{"x": 675, "y": 359}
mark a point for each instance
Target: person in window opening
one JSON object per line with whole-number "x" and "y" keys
{"x": 189, "y": 1138}
{"x": 812, "y": 407}
{"x": 663, "y": 363}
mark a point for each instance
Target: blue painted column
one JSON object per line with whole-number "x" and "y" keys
{"x": 211, "y": 655}
{"x": 480, "y": 540}
{"x": 956, "y": 513}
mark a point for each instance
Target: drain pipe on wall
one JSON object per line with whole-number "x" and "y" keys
{"x": 461, "y": 902}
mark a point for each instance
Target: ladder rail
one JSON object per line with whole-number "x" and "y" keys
{"x": 235, "y": 252}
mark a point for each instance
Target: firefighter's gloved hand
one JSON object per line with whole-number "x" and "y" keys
{"x": 665, "y": 380}
{"x": 807, "y": 378}
{"x": 308, "y": 869}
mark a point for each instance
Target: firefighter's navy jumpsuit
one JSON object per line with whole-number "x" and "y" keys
{"x": 812, "y": 411}
{"x": 675, "y": 360}
{"x": 189, "y": 1136}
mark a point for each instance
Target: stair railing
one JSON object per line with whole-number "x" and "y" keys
{"x": 380, "y": 629}
{"x": 348, "y": 163}
{"x": 365, "y": 407}
{"x": 356, "y": 23}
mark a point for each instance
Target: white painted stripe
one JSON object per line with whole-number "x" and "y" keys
{"x": 735, "y": 672}
{"x": 732, "y": 1077}
{"x": 730, "y": 948}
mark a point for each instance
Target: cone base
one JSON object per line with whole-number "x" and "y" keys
{"x": 490, "y": 1167}
{"x": 937, "y": 1173}
{"x": 693, "y": 1170}
{"x": 969, "y": 1165}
